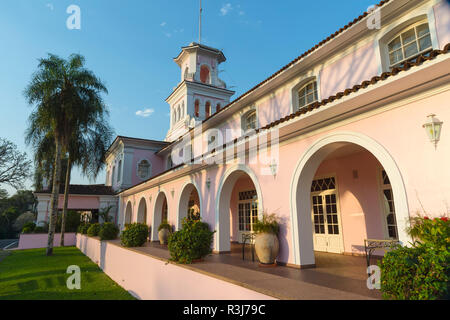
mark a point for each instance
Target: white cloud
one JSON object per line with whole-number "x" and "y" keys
{"x": 241, "y": 13}
{"x": 163, "y": 24}
{"x": 145, "y": 113}
{"x": 50, "y": 6}
{"x": 226, "y": 8}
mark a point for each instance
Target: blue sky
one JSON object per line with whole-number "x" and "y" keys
{"x": 130, "y": 46}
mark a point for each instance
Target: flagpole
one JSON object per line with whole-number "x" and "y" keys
{"x": 200, "y": 24}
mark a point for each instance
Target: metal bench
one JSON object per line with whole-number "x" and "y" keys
{"x": 370, "y": 245}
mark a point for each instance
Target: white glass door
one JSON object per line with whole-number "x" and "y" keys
{"x": 327, "y": 231}
{"x": 247, "y": 213}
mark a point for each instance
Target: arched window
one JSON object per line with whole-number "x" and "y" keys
{"x": 186, "y": 73}
{"x": 179, "y": 113}
{"x": 197, "y": 108}
{"x": 144, "y": 169}
{"x": 207, "y": 109}
{"x": 204, "y": 74}
{"x": 218, "y": 107}
{"x": 249, "y": 121}
{"x": 113, "y": 176}
{"x": 307, "y": 94}
{"x": 409, "y": 43}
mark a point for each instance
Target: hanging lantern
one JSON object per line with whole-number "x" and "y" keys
{"x": 433, "y": 128}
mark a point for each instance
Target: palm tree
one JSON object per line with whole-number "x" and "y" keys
{"x": 87, "y": 150}
{"x": 67, "y": 97}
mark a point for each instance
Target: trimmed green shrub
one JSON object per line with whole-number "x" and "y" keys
{"x": 417, "y": 273}
{"x": 436, "y": 231}
{"x": 40, "y": 230}
{"x": 93, "y": 230}
{"x": 135, "y": 235}
{"x": 83, "y": 228}
{"x": 108, "y": 231}
{"x": 422, "y": 271}
{"x": 165, "y": 225}
{"x": 28, "y": 227}
{"x": 269, "y": 224}
{"x": 27, "y": 230}
{"x": 192, "y": 242}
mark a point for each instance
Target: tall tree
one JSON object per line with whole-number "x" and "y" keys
{"x": 67, "y": 97}
{"x": 14, "y": 166}
{"x": 87, "y": 150}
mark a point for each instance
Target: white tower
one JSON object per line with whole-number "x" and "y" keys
{"x": 200, "y": 92}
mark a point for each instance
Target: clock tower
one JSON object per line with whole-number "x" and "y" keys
{"x": 200, "y": 92}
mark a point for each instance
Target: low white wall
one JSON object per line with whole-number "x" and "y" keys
{"x": 36, "y": 241}
{"x": 150, "y": 278}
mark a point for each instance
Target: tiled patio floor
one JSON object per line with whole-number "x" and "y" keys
{"x": 335, "y": 276}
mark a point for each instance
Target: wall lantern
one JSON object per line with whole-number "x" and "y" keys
{"x": 274, "y": 167}
{"x": 433, "y": 128}
{"x": 150, "y": 198}
{"x": 208, "y": 183}
{"x": 172, "y": 192}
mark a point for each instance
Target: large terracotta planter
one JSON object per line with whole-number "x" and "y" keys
{"x": 267, "y": 248}
{"x": 163, "y": 235}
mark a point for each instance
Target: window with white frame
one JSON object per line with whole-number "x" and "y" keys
{"x": 249, "y": 121}
{"x": 307, "y": 94}
{"x": 144, "y": 169}
{"x": 409, "y": 43}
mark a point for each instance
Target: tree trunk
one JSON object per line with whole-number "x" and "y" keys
{"x": 66, "y": 201}
{"x": 54, "y": 197}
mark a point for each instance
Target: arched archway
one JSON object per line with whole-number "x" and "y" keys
{"x": 160, "y": 213}
{"x": 128, "y": 214}
{"x": 142, "y": 212}
{"x": 190, "y": 199}
{"x": 223, "y": 198}
{"x": 307, "y": 166}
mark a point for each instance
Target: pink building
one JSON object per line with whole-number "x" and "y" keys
{"x": 334, "y": 143}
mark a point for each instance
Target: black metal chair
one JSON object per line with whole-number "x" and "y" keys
{"x": 250, "y": 237}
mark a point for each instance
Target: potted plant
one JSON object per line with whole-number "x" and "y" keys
{"x": 266, "y": 240}
{"x": 164, "y": 230}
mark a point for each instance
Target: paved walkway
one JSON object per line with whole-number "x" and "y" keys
{"x": 336, "y": 277}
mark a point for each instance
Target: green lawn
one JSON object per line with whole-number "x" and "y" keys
{"x": 29, "y": 274}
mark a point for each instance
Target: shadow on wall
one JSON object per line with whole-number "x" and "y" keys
{"x": 103, "y": 246}
{"x": 282, "y": 238}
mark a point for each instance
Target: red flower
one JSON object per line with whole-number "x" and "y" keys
{"x": 444, "y": 219}
{"x": 426, "y": 218}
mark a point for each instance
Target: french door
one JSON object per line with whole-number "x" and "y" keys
{"x": 327, "y": 231}
{"x": 247, "y": 212}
